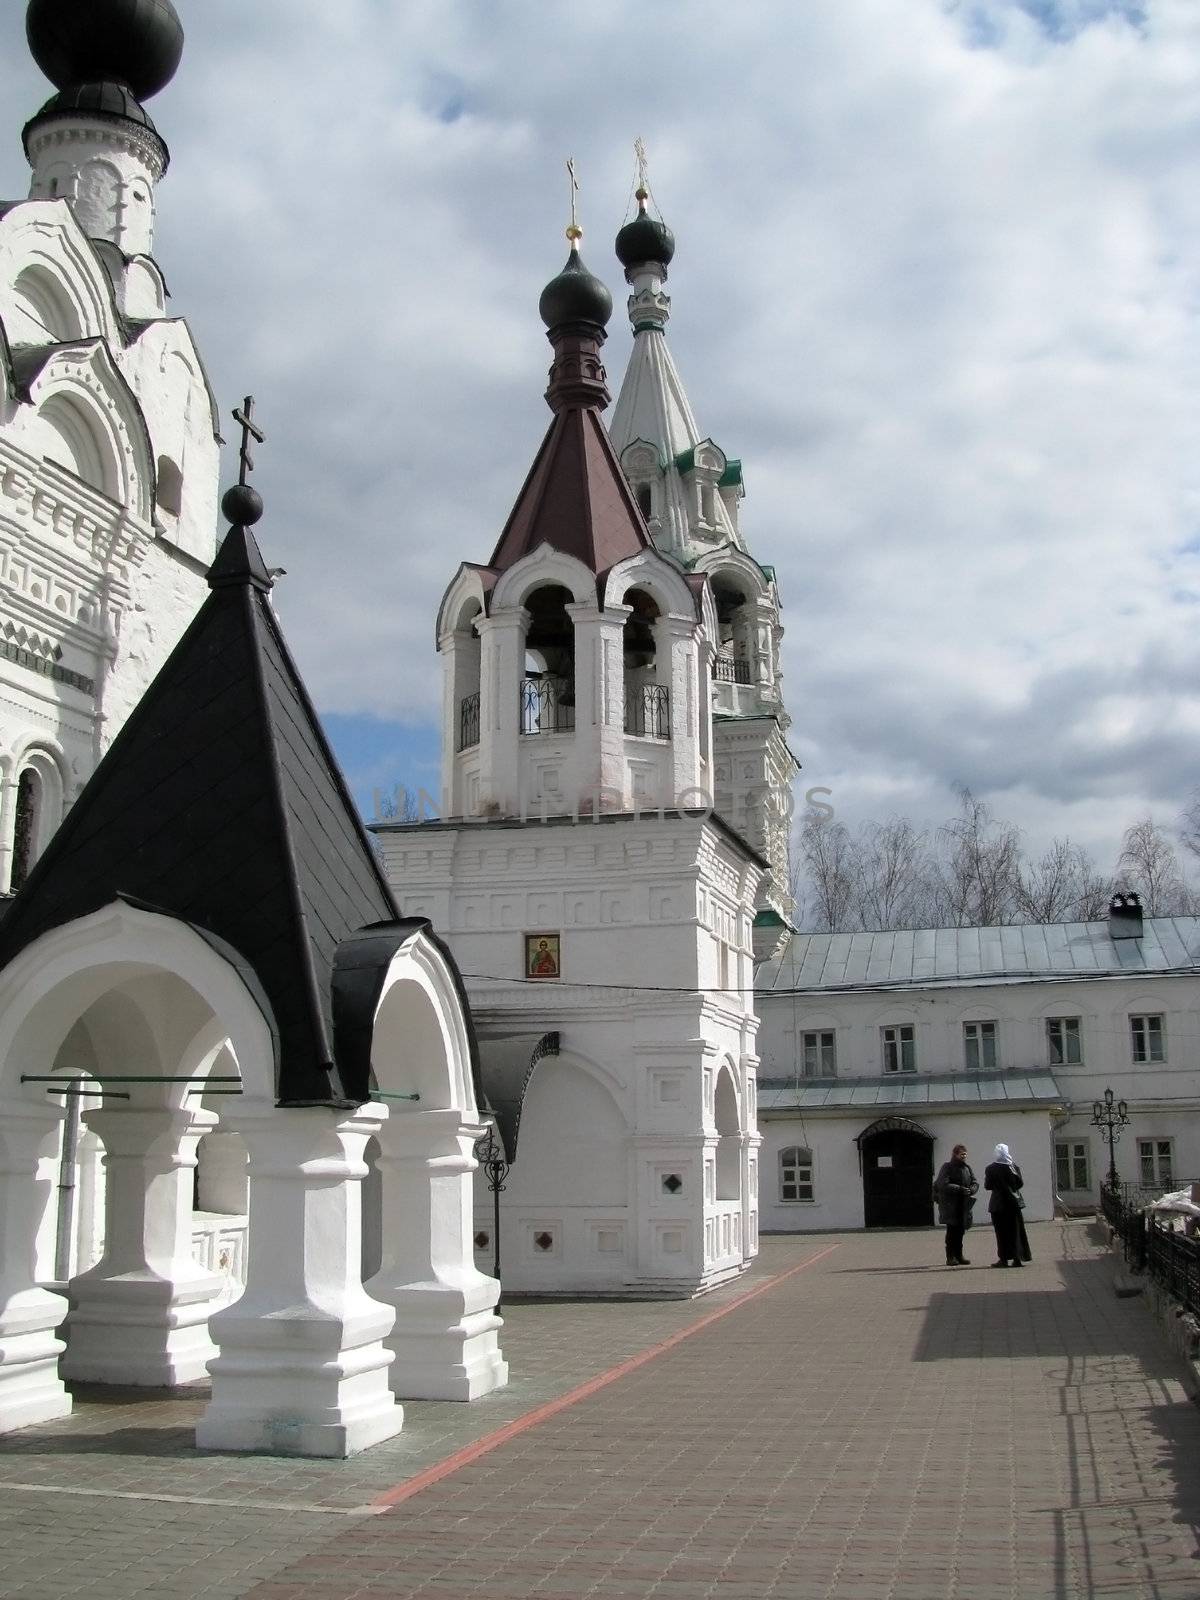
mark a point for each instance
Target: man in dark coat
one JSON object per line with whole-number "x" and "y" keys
{"x": 955, "y": 1189}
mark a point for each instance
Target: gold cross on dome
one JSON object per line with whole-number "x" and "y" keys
{"x": 574, "y": 231}
{"x": 639, "y": 150}
{"x": 249, "y": 431}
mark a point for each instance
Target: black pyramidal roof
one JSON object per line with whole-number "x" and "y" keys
{"x": 220, "y": 803}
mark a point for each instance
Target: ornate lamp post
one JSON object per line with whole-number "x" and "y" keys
{"x": 1110, "y": 1119}
{"x": 489, "y": 1152}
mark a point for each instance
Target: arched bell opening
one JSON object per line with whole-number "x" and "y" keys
{"x": 733, "y": 661}
{"x": 467, "y": 666}
{"x": 37, "y": 808}
{"x": 548, "y": 680}
{"x": 647, "y": 698}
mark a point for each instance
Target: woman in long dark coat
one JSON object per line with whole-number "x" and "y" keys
{"x": 955, "y": 1189}
{"x": 1003, "y": 1178}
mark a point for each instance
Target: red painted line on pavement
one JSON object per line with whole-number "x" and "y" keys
{"x": 491, "y": 1441}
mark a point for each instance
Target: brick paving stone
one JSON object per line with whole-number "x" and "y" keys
{"x": 871, "y": 1428}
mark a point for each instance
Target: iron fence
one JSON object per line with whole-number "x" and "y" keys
{"x": 468, "y": 721}
{"x": 1151, "y": 1244}
{"x": 648, "y": 711}
{"x": 547, "y": 705}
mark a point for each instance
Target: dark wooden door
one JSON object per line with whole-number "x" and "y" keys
{"x": 898, "y": 1180}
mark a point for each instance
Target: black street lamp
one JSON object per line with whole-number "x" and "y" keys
{"x": 1110, "y": 1119}
{"x": 489, "y": 1152}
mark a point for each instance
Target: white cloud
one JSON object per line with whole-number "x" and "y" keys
{"x": 936, "y": 284}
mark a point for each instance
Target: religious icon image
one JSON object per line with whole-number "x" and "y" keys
{"x": 541, "y": 955}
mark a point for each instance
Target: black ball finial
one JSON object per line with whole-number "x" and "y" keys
{"x": 242, "y": 505}
{"x": 137, "y": 43}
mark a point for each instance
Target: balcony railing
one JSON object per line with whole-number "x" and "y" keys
{"x": 648, "y": 711}
{"x": 547, "y": 705}
{"x": 468, "y": 721}
{"x": 726, "y": 671}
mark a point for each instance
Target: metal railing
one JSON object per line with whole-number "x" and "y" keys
{"x": 547, "y": 705}
{"x": 1151, "y": 1245}
{"x": 648, "y": 711}
{"x": 468, "y": 721}
{"x": 726, "y": 671}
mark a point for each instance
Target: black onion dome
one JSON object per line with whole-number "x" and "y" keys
{"x": 136, "y": 43}
{"x": 576, "y": 295}
{"x": 644, "y": 239}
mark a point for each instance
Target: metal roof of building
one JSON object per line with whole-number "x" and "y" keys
{"x": 930, "y": 956}
{"x": 777, "y": 1096}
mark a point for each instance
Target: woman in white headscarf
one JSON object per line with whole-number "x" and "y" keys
{"x": 1003, "y": 1178}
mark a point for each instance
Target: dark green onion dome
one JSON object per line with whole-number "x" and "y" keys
{"x": 135, "y": 43}
{"x": 576, "y": 295}
{"x": 643, "y": 239}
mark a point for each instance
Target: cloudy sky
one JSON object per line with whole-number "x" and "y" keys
{"x": 937, "y": 284}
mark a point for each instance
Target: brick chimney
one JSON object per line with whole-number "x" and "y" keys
{"x": 1125, "y": 916}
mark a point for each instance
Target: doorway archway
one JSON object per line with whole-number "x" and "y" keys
{"x": 896, "y": 1158}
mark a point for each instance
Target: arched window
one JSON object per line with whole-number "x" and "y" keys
{"x": 44, "y": 299}
{"x": 37, "y": 811}
{"x": 796, "y": 1173}
{"x": 25, "y": 827}
{"x": 548, "y": 683}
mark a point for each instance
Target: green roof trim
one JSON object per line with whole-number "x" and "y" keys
{"x": 732, "y": 476}
{"x": 686, "y": 459}
{"x": 768, "y": 917}
{"x": 767, "y": 572}
{"x": 648, "y": 327}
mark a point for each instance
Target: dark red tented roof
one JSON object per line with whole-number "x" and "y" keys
{"x": 575, "y": 499}
{"x": 220, "y": 803}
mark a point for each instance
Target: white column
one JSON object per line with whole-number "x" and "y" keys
{"x": 677, "y": 661}
{"x": 445, "y": 1338}
{"x": 30, "y": 1387}
{"x": 600, "y": 768}
{"x": 140, "y": 1315}
{"x": 302, "y": 1369}
{"x": 501, "y": 668}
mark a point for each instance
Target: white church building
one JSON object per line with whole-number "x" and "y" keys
{"x": 239, "y": 1090}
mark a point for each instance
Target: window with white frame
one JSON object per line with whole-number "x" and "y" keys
{"x": 1155, "y": 1164}
{"x": 820, "y": 1053}
{"x": 1064, "y": 1041}
{"x": 796, "y": 1174}
{"x": 899, "y": 1048}
{"x": 1148, "y": 1038}
{"x": 979, "y": 1046}
{"x": 1072, "y": 1168}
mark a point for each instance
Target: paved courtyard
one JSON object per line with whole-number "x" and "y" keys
{"x": 851, "y": 1421}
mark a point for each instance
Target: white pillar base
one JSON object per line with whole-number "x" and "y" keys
{"x": 445, "y": 1338}
{"x": 140, "y": 1315}
{"x": 31, "y": 1389}
{"x": 302, "y": 1369}
{"x": 446, "y": 1342}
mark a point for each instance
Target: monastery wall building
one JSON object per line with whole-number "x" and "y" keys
{"x": 882, "y": 1051}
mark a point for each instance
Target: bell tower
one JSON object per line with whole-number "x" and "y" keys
{"x": 690, "y": 493}
{"x": 577, "y": 661}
